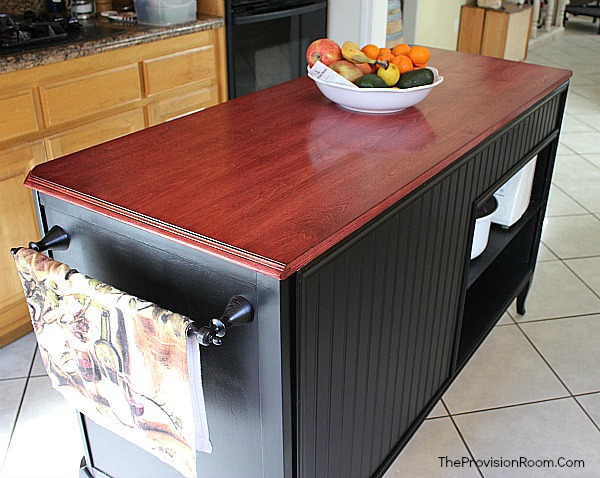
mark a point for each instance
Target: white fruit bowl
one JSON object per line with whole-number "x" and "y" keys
{"x": 376, "y": 100}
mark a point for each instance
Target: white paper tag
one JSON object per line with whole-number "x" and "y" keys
{"x": 323, "y": 72}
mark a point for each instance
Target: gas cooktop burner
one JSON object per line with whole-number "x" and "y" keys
{"x": 31, "y": 29}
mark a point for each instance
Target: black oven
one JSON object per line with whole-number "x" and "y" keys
{"x": 267, "y": 41}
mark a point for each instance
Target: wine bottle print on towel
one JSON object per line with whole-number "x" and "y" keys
{"x": 118, "y": 359}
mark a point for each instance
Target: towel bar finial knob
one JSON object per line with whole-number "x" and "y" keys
{"x": 237, "y": 312}
{"x": 56, "y": 238}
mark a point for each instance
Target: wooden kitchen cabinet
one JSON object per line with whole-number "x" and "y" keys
{"x": 18, "y": 226}
{"x": 82, "y": 137}
{"x": 169, "y": 72}
{"x": 85, "y": 96}
{"x": 171, "y": 108}
{"x": 500, "y": 33}
{"x": 20, "y": 118}
{"x": 61, "y": 108}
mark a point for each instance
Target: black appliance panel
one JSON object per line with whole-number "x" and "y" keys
{"x": 267, "y": 41}
{"x": 27, "y": 32}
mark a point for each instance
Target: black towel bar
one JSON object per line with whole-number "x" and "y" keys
{"x": 237, "y": 312}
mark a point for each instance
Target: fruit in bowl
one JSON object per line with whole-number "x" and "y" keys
{"x": 324, "y": 50}
{"x": 391, "y": 79}
{"x": 347, "y": 69}
{"x": 389, "y": 64}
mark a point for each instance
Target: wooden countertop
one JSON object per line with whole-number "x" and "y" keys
{"x": 114, "y": 35}
{"x": 273, "y": 179}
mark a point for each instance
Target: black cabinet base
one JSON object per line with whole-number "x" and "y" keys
{"x": 521, "y": 299}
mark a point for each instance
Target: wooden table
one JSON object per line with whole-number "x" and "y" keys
{"x": 349, "y": 233}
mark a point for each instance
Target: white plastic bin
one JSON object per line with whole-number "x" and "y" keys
{"x": 513, "y": 197}
{"x": 483, "y": 222}
{"x": 165, "y": 12}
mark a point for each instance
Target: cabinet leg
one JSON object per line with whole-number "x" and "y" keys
{"x": 521, "y": 299}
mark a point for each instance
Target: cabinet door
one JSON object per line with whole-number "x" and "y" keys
{"x": 375, "y": 333}
{"x": 172, "y": 108}
{"x": 94, "y": 133}
{"x": 19, "y": 226}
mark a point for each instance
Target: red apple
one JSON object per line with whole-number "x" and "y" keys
{"x": 324, "y": 50}
{"x": 365, "y": 67}
{"x": 347, "y": 69}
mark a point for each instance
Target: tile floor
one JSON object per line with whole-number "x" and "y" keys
{"x": 531, "y": 391}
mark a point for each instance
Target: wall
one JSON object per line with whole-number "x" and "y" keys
{"x": 362, "y": 21}
{"x": 426, "y": 22}
{"x": 432, "y": 22}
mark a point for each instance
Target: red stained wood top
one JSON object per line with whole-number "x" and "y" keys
{"x": 273, "y": 179}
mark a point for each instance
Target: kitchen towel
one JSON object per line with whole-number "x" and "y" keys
{"x": 125, "y": 363}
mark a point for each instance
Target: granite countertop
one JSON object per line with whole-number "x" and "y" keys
{"x": 98, "y": 36}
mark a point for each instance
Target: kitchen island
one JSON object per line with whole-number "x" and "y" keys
{"x": 350, "y": 234}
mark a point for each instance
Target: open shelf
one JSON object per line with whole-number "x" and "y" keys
{"x": 499, "y": 238}
{"x": 497, "y": 280}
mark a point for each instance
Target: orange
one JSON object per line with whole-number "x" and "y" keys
{"x": 403, "y": 62}
{"x": 372, "y": 51}
{"x": 401, "y": 49}
{"x": 419, "y": 55}
{"x": 384, "y": 55}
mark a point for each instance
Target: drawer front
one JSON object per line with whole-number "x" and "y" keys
{"x": 172, "y": 108}
{"x": 94, "y": 133}
{"x": 85, "y": 96}
{"x": 18, "y": 115}
{"x": 179, "y": 69}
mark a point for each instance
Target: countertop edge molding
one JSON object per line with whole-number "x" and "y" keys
{"x": 149, "y": 224}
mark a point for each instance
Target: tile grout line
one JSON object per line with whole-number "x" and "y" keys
{"x": 514, "y": 405}
{"x": 19, "y": 408}
{"x": 545, "y": 361}
{"x": 555, "y": 185}
{"x": 547, "y": 319}
{"x": 462, "y": 438}
{"x": 583, "y": 155}
{"x": 564, "y": 262}
{"x": 582, "y": 280}
{"x": 573, "y": 396}
{"x": 587, "y": 414}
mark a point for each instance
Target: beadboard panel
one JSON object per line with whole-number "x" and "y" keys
{"x": 376, "y": 334}
{"x": 376, "y": 329}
